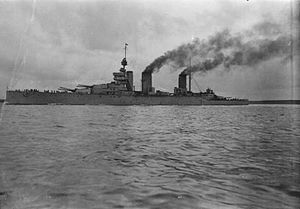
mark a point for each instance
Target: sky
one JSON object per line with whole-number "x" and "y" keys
{"x": 48, "y": 44}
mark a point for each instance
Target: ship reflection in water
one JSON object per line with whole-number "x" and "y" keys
{"x": 149, "y": 157}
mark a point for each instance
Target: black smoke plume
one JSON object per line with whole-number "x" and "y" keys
{"x": 264, "y": 41}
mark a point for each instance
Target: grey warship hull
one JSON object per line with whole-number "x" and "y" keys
{"x": 121, "y": 91}
{"x": 65, "y": 98}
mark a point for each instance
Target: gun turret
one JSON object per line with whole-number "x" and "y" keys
{"x": 66, "y": 89}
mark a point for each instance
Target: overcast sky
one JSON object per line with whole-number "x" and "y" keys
{"x": 48, "y": 44}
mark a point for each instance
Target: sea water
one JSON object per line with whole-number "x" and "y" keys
{"x": 150, "y": 157}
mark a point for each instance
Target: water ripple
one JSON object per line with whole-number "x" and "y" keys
{"x": 150, "y": 157}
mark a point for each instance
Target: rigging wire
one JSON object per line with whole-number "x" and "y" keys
{"x": 20, "y": 60}
{"x": 194, "y": 80}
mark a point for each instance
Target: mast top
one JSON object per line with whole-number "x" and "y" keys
{"x": 124, "y": 61}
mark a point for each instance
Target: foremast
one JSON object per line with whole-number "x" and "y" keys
{"x": 124, "y": 77}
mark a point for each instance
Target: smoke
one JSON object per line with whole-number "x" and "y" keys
{"x": 263, "y": 42}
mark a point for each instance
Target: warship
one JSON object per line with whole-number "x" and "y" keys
{"x": 121, "y": 91}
